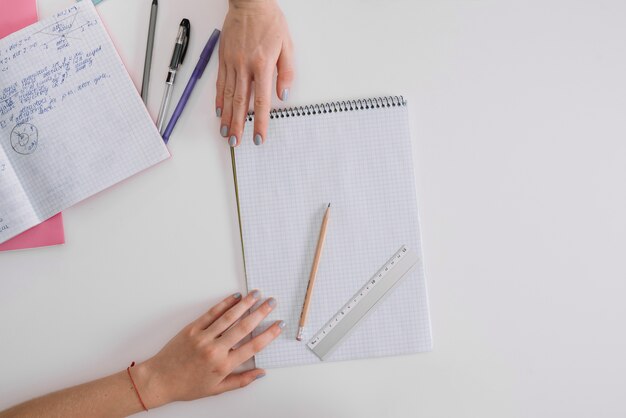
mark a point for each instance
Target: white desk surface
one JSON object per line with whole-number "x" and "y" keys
{"x": 517, "y": 112}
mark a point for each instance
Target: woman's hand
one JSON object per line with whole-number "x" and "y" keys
{"x": 255, "y": 40}
{"x": 199, "y": 361}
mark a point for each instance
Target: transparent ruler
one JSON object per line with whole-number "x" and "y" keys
{"x": 362, "y": 303}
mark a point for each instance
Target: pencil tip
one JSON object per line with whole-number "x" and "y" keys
{"x": 329, "y": 205}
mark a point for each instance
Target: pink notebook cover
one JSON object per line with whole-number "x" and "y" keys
{"x": 15, "y": 15}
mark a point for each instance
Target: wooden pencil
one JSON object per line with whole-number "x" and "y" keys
{"x": 316, "y": 262}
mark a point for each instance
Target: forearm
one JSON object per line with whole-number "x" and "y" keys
{"x": 112, "y": 396}
{"x": 196, "y": 363}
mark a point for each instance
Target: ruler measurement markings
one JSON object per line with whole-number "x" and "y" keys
{"x": 377, "y": 283}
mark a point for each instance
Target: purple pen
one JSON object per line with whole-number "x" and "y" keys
{"x": 195, "y": 76}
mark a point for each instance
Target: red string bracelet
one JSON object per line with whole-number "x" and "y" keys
{"x": 135, "y": 386}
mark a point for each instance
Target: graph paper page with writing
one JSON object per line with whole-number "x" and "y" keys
{"x": 71, "y": 121}
{"x": 361, "y": 162}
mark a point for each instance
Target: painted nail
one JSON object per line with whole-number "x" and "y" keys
{"x": 232, "y": 141}
{"x": 218, "y": 112}
{"x": 224, "y": 131}
{"x": 255, "y": 294}
{"x": 237, "y": 295}
{"x": 271, "y": 302}
{"x": 259, "y": 376}
{"x": 282, "y": 324}
{"x": 284, "y": 95}
{"x": 258, "y": 139}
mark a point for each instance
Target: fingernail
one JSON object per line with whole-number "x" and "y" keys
{"x": 284, "y": 95}
{"x": 218, "y": 112}
{"x": 237, "y": 295}
{"x": 258, "y": 139}
{"x": 224, "y": 131}
{"x": 271, "y": 302}
{"x": 232, "y": 141}
{"x": 282, "y": 324}
{"x": 255, "y": 294}
{"x": 259, "y": 376}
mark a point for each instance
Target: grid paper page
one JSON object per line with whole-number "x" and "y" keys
{"x": 71, "y": 122}
{"x": 361, "y": 162}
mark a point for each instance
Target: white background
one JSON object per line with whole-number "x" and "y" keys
{"x": 517, "y": 113}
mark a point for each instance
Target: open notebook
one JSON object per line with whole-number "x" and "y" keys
{"x": 71, "y": 121}
{"x": 18, "y": 14}
{"x": 356, "y": 155}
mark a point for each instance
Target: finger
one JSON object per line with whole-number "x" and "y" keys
{"x": 258, "y": 343}
{"x": 227, "y": 108}
{"x": 216, "y": 311}
{"x": 262, "y": 104}
{"x": 248, "y": 324}
{"x": 286, "y": 72}
{"x": 239, "y": 380}
{"x": 229, "y": 317}
{"x": 241, "y": 99}
{"x": 220, "y": 85}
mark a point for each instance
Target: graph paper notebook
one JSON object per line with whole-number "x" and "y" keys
{"x": 21, "y": 14}
{"x": 356, "y": 155}
{"x": 71, "y": 122}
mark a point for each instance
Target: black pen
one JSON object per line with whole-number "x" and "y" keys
{"x": 180, "y": 49}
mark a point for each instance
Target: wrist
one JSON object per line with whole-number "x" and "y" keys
{"x": 150, "y": 385}
{"x": 252, "y": 5}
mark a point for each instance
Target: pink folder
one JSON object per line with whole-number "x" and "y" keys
{"x": 15, "y": 15}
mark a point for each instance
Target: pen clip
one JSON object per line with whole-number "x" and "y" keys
{"x": 187, "y": 25}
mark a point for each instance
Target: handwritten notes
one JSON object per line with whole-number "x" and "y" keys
{"x": 71, "y": 121}
{"x": 44, "y": 88}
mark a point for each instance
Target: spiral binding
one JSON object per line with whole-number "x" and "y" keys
{"x": 334, "y": 107}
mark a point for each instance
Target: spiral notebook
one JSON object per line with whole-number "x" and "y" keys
{"x": 357, "y": 156}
